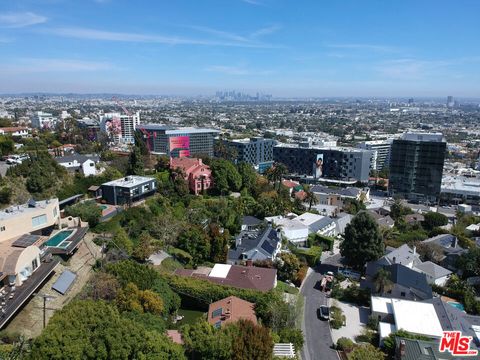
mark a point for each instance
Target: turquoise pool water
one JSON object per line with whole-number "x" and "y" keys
{"x": 457, "y": 305}
{"x": 58, "y": 238}
{"x": 103, "y": 207}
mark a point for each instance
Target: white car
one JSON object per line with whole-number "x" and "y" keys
{"x": 16, "y": 159}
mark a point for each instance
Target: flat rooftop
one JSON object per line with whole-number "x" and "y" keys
{"x": 316, "y": 147}
{"x": 171, "y": 130}
{"x": 129, "y": 181}
{"x": 425, "y": 137}
{"x": 461, "y": 184}
{"x": 30, "y": 206}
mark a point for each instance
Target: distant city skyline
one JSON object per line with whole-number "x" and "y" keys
{"x": 288, "y": 49}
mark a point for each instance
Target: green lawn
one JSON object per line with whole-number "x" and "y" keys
{"x": 169, "y": 265}
{"x": 284, "y": 287}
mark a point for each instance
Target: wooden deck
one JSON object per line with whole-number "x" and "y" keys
{"x": 25, "y": 291}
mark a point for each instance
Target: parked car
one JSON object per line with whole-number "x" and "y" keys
{"x": 324, "y": 312}
{"x": 350, "y": 274}
{"x": 16, "y": 159}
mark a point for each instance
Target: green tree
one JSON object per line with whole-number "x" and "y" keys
{"x": 203, "y": 341}
{"x": 226, "y": 176}
{"x": 398, "y": 210}
{"x": 196, "y": 242}
{"x": 433, "y": 220}
{"x": 146, "y": 246}
{"x": 469, "y": 262}
{"x": 135, "y": 162}
{"x": 7, "y": 145}
{"x": 310, "y": 197}
{"x": 95, "y": 330}
{"x": 287, "y": 266}
{"x": 353, "y": 206}
{"x": 366, "y": 352}
{"x": 362, "y": 241}
{"x": 248, "y": 175}
{"x": 250, "y": 341}
{"x": 88, "y": 211}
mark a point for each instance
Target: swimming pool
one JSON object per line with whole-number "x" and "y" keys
{"x": 456, "y": 305}
{"x": 103, "y": 207}
{"x": 57, "y": 239}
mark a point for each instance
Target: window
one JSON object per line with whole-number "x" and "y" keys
{"x": 402, "y": 294}
{"x": 34, "y": 264}
{"x": 39, "y": 220}
{"x": 55, "y": 212}
{"x": 217, "y": 325}
{"x": 216, "y": 312}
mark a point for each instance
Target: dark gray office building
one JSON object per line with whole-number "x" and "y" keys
{"x": 255, "y": 151}
{"x": 416, "y": 167}
{"x": 127, "y": 190}
{"x": 178, "y": 142}
{"x": 337, "y": 163}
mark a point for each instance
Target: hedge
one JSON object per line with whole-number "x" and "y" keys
{"x": 204, "y": 292}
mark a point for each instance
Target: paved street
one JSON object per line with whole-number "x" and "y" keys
{"x": 318, "y": 340}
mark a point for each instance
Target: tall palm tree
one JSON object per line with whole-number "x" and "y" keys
{"x": 280, "y": 171}
{"x": 310, "y": 197}
{"x": 382, "y": 281}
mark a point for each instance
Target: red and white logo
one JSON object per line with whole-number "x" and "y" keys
{"x": 456, "y": 344}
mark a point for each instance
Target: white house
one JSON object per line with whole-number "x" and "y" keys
{"x": 81, "y": 163}
{"x": 15, "y": 131}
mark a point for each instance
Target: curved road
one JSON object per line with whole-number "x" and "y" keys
{"x": 318, "y": 339}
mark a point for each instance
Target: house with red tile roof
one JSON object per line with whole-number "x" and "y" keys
{"x": 197, "y": 174}
{"x": 229, "y": 310}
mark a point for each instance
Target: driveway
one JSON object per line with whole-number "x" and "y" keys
{"x": 318, "y": 340}
{"x": 356, "y": 317}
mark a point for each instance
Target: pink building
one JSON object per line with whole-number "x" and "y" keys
{"x": 197, "y": 174}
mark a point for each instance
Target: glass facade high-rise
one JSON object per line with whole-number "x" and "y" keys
{"x": 255, "y": 151}
{"x": 416, "y": 167}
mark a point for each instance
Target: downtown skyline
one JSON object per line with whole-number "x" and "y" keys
{"x": 301, "y": 49}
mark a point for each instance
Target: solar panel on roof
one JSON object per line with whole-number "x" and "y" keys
{"x": 64, "y": 282}
{"x": 26, "y": 240}
{"x": 268, "y": 247}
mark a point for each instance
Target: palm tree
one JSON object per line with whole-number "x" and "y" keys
{"x": 280, "y": 171}
{"x": 309, "y": 197}
{"x": 382, "y": 281}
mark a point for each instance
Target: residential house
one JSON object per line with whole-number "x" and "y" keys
{"x": 230, "y": 310}
{"x": 15, "y": 131}
{"x": 416, "y": 317}
{"x": 85, "y": 164}
{"x": 450, "y": 247}
{"x": 255, "y": 245}
{"x": 250, "y": 223}
{"x": 412, "y": 219}
{"x": 435, "y": 274}
{"x": 26, "y": 248}
{"x": 296, "y": 228}
{"x": 384, "y": 221}
{"x": 406, "y": 282}
{"x": 409, "y": 349}
{"x": 337, "y": 196}
{"x": 128, "y": 190}
{"x": 243, "y": 277}
{"x": 198, "y": 175}
{"x": 341, "y": 222}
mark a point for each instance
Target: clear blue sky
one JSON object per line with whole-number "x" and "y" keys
{"x": 283, "y": 47}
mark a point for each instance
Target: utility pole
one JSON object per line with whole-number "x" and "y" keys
{"x": 45, "y": 298}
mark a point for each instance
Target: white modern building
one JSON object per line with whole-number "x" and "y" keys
{"x": 80, "y": 163}
{"x": 460, "y": 189}
{"x": 120, "y": 127}
{"x": 381, "y": 150}
{"x": 43, "y": 120}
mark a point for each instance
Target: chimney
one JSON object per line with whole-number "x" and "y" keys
{"x": 394, "y": 259}
{"x": 402, "y": 348}
{"x": 414, "y": 250}
{"x": 249, "y": 262}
